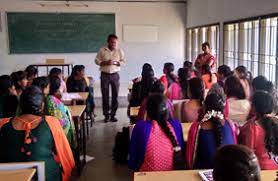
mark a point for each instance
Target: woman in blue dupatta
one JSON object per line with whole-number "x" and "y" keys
{"x": 208, "y": 133}
{"x": 157, "y": 144}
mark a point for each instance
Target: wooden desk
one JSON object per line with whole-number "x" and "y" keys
{"x": 188, "y": 175}
{"x": 185, "y": 129}
{"x": 78, "y": 115}
{"x": 15, "y": 175}
{"x": 62, "y": 65}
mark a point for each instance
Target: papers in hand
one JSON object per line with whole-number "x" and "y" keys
{"x": 206, "y": 175}
{"x": 70, "y": 96}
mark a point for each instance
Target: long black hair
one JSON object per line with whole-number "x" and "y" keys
{"x": 17, "y": 77}
{"x": 261, "y": 83}
{"x": 31, "y": 71}
{"x": 233, "y": 88}
{"x": 76, "y": 69}
{"x": 216, "y": 103}
{"x": 236, "y": 162}
{"x": 197, "y": 89}
{"x": 146, "y": 82}
{"x": 6, "y": 83}
{"x": 263, "y": 104}
{"x": 55, "y": 72}
{"x": 242, "y": 72}
{"x": 157, "y": 88}
{"x": 225, "y": 70}
{"x": 157, "y": 110}
{"x": 41, "y": 82}
{"x": 169, "y": 69}
{"x": 184, "y": 75}
{"x": 207, "y": 70}
{"x": 55, "y": 83}
{"x": 31, "y": 101}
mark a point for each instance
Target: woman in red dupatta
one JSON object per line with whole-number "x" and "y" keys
{"x": 260, "y": 133}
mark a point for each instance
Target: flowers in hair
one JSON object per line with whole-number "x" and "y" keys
{"x": 213, "y": 114}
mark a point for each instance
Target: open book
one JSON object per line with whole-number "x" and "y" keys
{"x": 206, "y": 175}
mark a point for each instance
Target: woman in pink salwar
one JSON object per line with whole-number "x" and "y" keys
{"x": 261, "y": 132}
{"x": 196, "y": 93}
{"x": 178, "y": 90}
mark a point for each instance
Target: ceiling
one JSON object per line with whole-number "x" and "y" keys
{"x": 172, "y": 1}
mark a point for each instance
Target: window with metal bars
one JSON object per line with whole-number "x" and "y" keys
{"x": 198, "y": 35}
{"x": 253, "y": 43}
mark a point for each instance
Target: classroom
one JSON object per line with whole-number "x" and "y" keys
{"x": 139, "y": 90}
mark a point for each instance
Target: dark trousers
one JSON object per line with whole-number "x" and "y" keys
{"x": 114, "y": 81}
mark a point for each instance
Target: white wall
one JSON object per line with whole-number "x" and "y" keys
{"x": 169, "y": 17}
{"x": 203, "y": 12}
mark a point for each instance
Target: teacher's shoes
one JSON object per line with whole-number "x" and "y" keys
{"x": 106, "y": 119}
{"x": 113, "y": 119}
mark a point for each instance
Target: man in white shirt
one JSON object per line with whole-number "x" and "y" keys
{"x": 110, "y": 59}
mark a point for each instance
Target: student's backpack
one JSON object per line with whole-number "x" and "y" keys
{"x": 120, "y": 150}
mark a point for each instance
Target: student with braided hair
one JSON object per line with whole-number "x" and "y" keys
{"x": 157, "y": 144}
{"x": 260, "y": 133}
{"x": 236, "y": 162}
{"x": 196, "y": 93}
{"x": 211, "y": 131}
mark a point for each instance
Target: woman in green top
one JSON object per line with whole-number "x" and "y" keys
{"x": 30, "y": 137}
{"x": 55, "y": 107}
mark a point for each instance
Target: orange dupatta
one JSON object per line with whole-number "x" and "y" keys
{"x": 64, "y": 153}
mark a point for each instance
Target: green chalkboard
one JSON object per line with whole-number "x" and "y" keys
{"x": 58, "y": 32}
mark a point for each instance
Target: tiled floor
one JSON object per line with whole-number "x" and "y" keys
{"x": 100, "y": 146}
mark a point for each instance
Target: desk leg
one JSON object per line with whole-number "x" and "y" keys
{"x": 84, "y": 138}
{"x": 77, "y": 149}
{"x": 87, "y": 124}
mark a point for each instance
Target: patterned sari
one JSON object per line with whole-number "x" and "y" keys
{"x": 55, "y": 107}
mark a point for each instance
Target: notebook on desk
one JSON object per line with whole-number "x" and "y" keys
{"x": 206, "y": 175}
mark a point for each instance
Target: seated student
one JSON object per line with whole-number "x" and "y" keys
{"x": 79, "y": 82}
{"x": 168, "y": 76}
{"x": 261, "y": 83}
{"x": 189, "y": 65}
{"x": 34, "y": 137}
{"x": 260, "y": 133}
{"x": 32, "y": 72}
{"x": 237, "y": 106}
{"x": 157, "y": 144}
{"x": 145, "y": 67}
{"x": 178, "y": 90}
{"x": 20, "y": 81}
{"x": 236, "y": 162}
{"x": 43, "y": 84}
{"x": 196, "y": 93}
{"x": 8, "y": 97}
{"x": 55, "y": 107}
{"x": 157, "y": 88}
{"x": 211, "y": 131}
{"x": 76, "y": 82}
{"x": 223, "y": 73}
{"x": 208, "y": 77}
{"x": 58, "y": 72}
{"x": 242, "y": 73}
{"x": 141, "y": 89}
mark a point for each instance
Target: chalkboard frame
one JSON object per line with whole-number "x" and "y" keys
{"x": 71, "y": 13}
